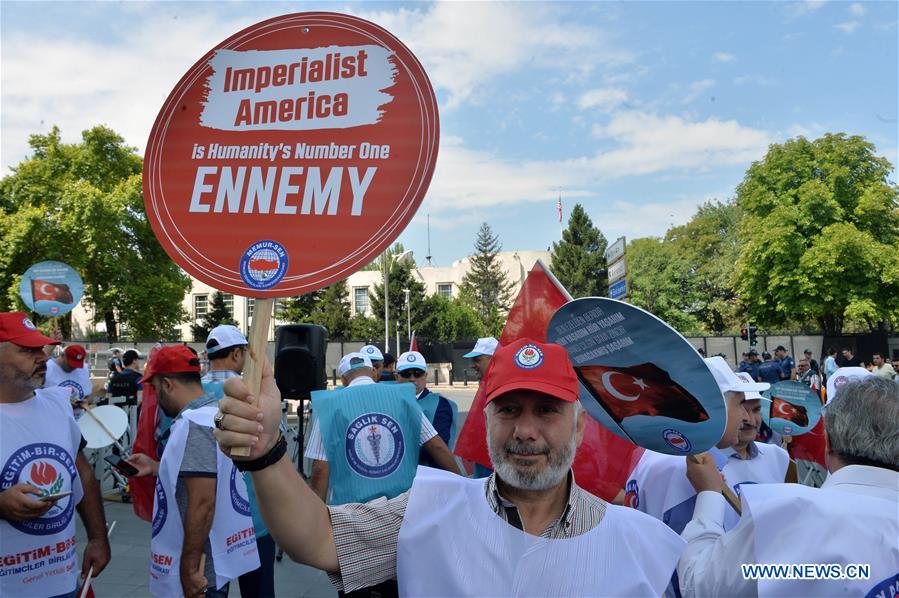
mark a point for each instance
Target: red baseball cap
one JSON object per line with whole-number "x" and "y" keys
{"x": 75, "y": 355}
{"x": 530, "y": 365}
{"x": 18, "y": 329}
{"x": 177, "y": 359}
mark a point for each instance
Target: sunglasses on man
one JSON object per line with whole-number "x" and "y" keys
{"x": 412, "y": 373}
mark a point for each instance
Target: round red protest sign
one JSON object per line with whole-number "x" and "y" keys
{"x": 291, "y": 154}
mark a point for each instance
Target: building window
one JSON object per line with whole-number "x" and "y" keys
{"x": 228, "y": 299}
{"x": 360, "y": 300}
{"x": 251, "y": 304}
{"x": 201, "y": 306}
{"x": 445, "y": 289}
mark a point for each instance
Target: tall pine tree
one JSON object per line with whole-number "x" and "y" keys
{"x": 579, "y": 261}
{"x": 485, "y": 286}
{"x": 400, "y": 277}
{"x": 218, "y": 313}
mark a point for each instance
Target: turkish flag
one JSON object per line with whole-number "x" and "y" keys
{"x": 604, "y": 460}
{"x": 809, "y": 446}
{"x": 788, "y": 411}
{"x": 41, "y": 290}
{"x": 145, "y": 442}
{"x": 644, "y": 389}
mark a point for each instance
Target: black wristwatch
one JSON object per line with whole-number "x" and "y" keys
{"x": 269, "y": 458}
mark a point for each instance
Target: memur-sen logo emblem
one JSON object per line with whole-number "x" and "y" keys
{"x": 161, "y": 509}
{"x": 27, "y": 323}
{"x": 321, "y": 127}
{"x": 676, "y": 440}
{"x": 51, "y": 469}
{"x": 263, "y": 264}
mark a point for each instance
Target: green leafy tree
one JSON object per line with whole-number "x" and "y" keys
{"x": 485, "y": 287}
{"x": 656, "y": 281}
{"x": 706, "y": 249}
{"x": 449, "y": 320}
{"x": 820, "y": 235}
{"x": 578, "y": 260}
{"x": 298, "y": 309}
{"x": 218, "y": 313}
{"x": 363, "y": 328}
{"x": 82, "y": 204}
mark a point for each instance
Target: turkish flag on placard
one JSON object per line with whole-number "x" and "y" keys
{"x": 604, "y": 460}
{"x": 145, "y": 442}
{"x": 41, "y": 290}
{"x": 643, "y": 389}
{"x": 788, "y": 411}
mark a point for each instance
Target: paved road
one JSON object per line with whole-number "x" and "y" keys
{"x": 127, "y": 573}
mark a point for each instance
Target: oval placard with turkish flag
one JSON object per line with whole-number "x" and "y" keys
{"x": 51, "y": 288}
{"x": 291, "y": 154}
{"x": 639, "y": 377}
{"x": 794, "y": 408}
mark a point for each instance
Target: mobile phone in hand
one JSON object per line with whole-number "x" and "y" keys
{"x": 122, "y": 466}
{"x": 54, "y": 497}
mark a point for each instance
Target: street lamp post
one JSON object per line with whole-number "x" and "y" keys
{"x": 408, "y": 316}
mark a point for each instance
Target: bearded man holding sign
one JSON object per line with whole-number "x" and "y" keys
{"x": 498, "y": 533}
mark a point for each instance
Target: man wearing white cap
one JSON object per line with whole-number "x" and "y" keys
{"x": 658, "y": 485}
{"x": 851, "y": 520}
{"x": 481, "y": 353}
{"x": 355, "y": 371}
{"x": 440, "y": 411}
{"x": 377, "y": 359}
{"x": 227, "y": 349}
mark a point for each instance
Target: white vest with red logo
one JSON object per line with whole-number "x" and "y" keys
{"x": 232, "y": 536}
{"x": 38, "y": 445}
{"x": 451, "y": 543}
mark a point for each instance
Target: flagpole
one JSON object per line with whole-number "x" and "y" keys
{"x": 561, "y": 226}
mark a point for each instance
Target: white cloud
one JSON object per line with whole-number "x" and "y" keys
{"x": 810, "y": 131}
{"x": 760, "y": 80}
{"x": 800, "y": 9}
{"x": 723, "y": 57}
{"x": 696, "y": 89}
{"x": 122, "y": 82}
{"x": 605, "y": 99}
{"x": 640, "y": 143}
{"x": 848, "y": 27}
{"x": 857, "y": 9}
{"x": 465, "y": 45}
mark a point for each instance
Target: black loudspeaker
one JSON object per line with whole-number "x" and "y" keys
{"x": 300, "y": 359}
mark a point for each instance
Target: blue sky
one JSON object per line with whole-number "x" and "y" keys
{"x": 638, "y": 110}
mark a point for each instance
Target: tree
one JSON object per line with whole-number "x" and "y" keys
{"x": 400, "y": 278}
{"x": 449, "y": 320}
{"x": 485, "y": 286}
{"x": 657, "y": 279}
{"x": 820, "y": 235}
{"x": 82, "y": 204}
{"x": 218, "y": 313}
{"x": 578, "y": 260}
{"x": 298, "y": 309}
{"x": 707, "y": 249}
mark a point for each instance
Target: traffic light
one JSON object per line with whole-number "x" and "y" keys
{"x": 753, "y": 337}
{"x": 744, "y": 334}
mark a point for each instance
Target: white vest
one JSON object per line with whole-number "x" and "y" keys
{"x": 78, "y": 381}
{"x": 825, "y": 525}
{"x": 232, "y": 537}
{"x": 659, "y": 486}
{"x": 38, "y": 445}
{"x": 451, "y": 543}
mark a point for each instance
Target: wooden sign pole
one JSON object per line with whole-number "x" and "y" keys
{"x": 729, "y": 495}
{"x": 252, "y": 372}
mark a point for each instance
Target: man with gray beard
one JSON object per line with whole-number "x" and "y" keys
{"x": 527, "y": 529}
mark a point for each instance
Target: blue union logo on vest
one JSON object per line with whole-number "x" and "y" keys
{"x": 50, "y": 468}
{"x": 162, "y": 509}
{"x": 241, "y": 504}
{"x": 374, "y": 445}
